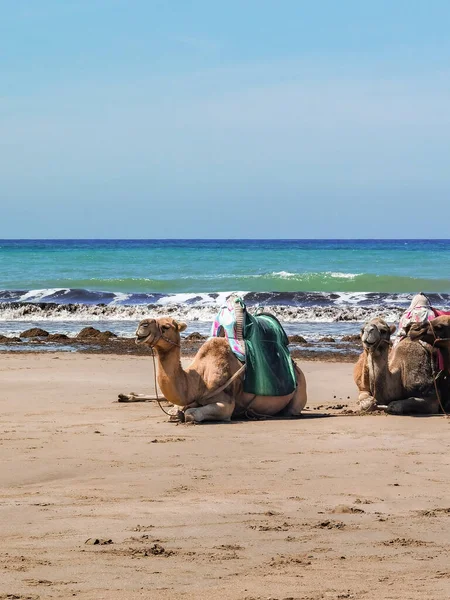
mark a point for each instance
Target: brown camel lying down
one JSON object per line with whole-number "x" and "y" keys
{"x": 399, "y": 381}
{"x": 212, "y": 367}
{"x": 437, "y": 334}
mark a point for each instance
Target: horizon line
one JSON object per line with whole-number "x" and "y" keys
{"x": 220, "y": 239}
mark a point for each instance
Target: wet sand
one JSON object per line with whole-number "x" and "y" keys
{"x": 93, "y": 341}
{"x": 324, "y": 507}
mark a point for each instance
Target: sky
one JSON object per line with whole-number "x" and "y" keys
{"x": 237, "y": 119}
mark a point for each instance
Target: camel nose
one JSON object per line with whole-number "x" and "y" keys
{"x": 146, "y": 324}
{"x": 370, "y": 335}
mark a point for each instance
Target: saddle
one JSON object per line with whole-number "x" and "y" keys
{"x": 419, "y": 311}
{"x": 260, "y": 341}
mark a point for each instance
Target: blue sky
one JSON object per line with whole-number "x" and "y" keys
{"x": 288, "y": 118}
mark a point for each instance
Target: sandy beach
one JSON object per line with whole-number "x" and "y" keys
{"x": 325, "y": 507}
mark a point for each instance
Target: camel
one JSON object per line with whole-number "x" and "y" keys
{"x": 193, "y": 389}
{"x": 437, "y": 334}
{"x": 398, "y": 381}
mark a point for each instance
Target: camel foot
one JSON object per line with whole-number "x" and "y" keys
{"x": 176, "y": 415}
{"x": 126, "y": 398}
{"x": 192, "y": 416}
{"x": 368, "y": 405}
{"x": 395, "y": 408}
{"x": 413, "y": 406}
{"x": 211, "y": 412}
{"x": 189, "y": 419}
{"x": 132, "y": 397}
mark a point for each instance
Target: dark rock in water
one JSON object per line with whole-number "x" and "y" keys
{"x": 90, "y": 333}
{"x": 297, "y": 339}
{"x": 327, "y": 338}
{"x": 195, "y": 337}
{"x": 4, "y": 339}
{"x": 57, "y": 337}
{"x": 351, "y": 338}
{"x": 34, "y": 332}
{"x": 107, "y": 335}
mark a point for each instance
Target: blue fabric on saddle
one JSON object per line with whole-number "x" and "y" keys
{"x": 262, "y": 343}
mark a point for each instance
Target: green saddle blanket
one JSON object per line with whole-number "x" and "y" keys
{"x": 270, "y": 370}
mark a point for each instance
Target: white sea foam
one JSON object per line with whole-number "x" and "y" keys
{"x": 37, "y": 295}
{"x": 120, "y": 298}
{"x": 306, "y": 276}
{"x": 344, "y": 275}
{"x": 284, "y": 274}
{"x": 350, "y": 298}
{"x": 197, "y": 312}
{"x": 288, "y": 307}
{"x": 201, "y": 299}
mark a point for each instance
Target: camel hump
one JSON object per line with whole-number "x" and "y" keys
{"x": 216, "y": 348}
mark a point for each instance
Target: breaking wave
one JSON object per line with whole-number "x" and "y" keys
{"x": 87, "y": 290}
{"x": 65, "y": 304}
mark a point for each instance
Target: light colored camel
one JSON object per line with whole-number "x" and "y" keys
{"x": 212, "y": 367}
{"x": 400, "y": 381}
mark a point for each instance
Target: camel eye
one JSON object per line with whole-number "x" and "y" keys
{"x": 165, "y": 327}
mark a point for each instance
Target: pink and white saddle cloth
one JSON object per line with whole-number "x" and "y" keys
{"x": 420, "y": 310}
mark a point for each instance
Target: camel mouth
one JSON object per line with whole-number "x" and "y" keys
{"x": 370, "y": 341}
{"x": 370, "y": 345}
{"x": 141, "y": 339}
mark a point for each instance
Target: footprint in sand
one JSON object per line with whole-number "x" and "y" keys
{"x": 329, "y": 525}
{"x": 344, "y": 509}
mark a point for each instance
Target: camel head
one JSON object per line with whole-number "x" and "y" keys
{"x": 376, "y": 334}
{"x": 435, "y": 332}
{"x": 161, "y": 333}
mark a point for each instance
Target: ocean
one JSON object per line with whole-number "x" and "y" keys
{"x": 315, "y": 287}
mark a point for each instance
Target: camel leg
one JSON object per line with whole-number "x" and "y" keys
{"x": 413, "y": 406}
{"x": 299, "y": 399}
{"x": 366, "y": 402}
{"x": 132, "y": 397}
{"x": 221, "y": 410}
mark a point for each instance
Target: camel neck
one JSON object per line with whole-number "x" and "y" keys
{"x": 378, "y": 363}
{"x": 171, "y": 376}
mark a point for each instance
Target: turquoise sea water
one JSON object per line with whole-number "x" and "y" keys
{"x": 317, "y": 287}
{"x": 179, "y": 266}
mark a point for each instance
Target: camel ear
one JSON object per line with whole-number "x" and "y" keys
{"x": 180, "y": 326}
{"x": 392, "y": 328}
